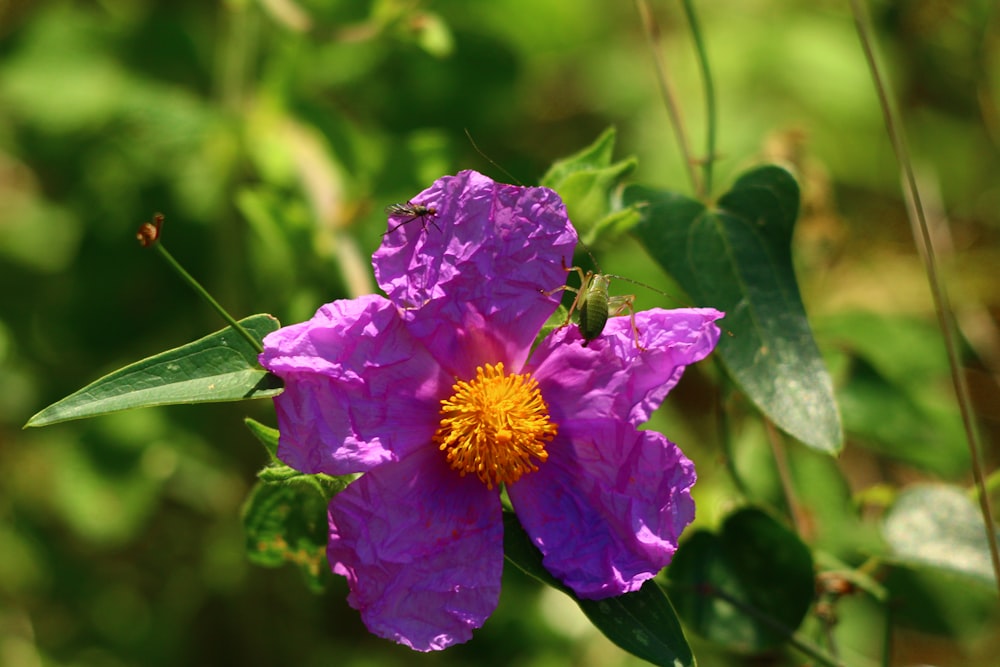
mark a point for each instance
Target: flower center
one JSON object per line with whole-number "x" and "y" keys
{"x": 495, "y": 425}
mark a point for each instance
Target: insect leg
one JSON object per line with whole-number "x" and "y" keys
{"x": 618, "y": 305}
{"x": 581, "y": 293}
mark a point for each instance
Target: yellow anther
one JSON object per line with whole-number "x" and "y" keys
{"x": 495, "y": 426}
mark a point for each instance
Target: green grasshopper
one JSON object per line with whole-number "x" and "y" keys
{"x": 594, "y": 305}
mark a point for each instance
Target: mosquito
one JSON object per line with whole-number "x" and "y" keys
{"x": 411, "y": 212}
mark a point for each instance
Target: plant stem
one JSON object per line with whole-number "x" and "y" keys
{"x": 710, "y": 112}
{"x": 942, "y": 307}
{"x": 795, "y": 639}
{"x": 189, "y": 279}
{"x": 667, "y": 91}
{"x": 785, "y": 476}
{"x": 725, "y": 429}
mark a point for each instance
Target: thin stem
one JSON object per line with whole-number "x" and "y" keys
{"x": 725, "y": 430}
{"x": 992, "y": 483}
{"x": 781, "y": 463}
{"x": 667, "y": 91}
{"x": 831, "y": 641}
{"x": 942, "y": 307}
{"x": 795, "y": 639}
{"x": 235, "y": 55}
{"x": 189, "y": 279}
{"x": 710, "y": 112}
{"x": 887, "y": 637}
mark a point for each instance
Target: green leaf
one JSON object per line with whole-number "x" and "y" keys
{"x": 820, "y": 488}
{"x": 747, "y": 588}
{"x": 590, "y": 159}
{"x": 268, "y": 437}
{"x": 556, "y": 320}
{"x": 941, "y": 602}
{"x": 434, "y": 36}
{"x": 586, "y": 182}
{"x": 737, "y": 258}
{"x": 885, "y": 418}
{"x": 276, "y": 472}
{"x": 893, "y": 390}
{"x": 939, "y": 526}
{"x": 287, "y": 523}
{"x": 219, "y": 367}
{"x": 643, "y": 622}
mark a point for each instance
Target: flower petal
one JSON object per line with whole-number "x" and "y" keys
{"x": 612, "y": 377}
{"x": 607, "y": 507}
{"x": 359, "y": 389}
{"x": 471, "y": 281}
{"x": 422, "y": 550}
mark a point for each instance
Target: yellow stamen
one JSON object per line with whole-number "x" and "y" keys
{"x": 495, "y": 425}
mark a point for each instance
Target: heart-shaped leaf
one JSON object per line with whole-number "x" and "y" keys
{"x": 642, "y": 622}
{"x": 748, "y": 587}
{"x": 737, "y": 257}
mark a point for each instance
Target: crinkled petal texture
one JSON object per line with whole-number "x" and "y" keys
{"x": 472, "y": 284}
{"x": 612, "y": 377}
{"x": 609, "y": 504}
{"x": 420, "y": 545}
{"x": 607, "y": 507}
{"x": 422, "y": 550}
{"x": 359, "y": 389}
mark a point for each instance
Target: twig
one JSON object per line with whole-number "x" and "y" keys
{"x": 667, "y": 91}
{"x": 942, "y": 307}
{"x": 709, "y": 87}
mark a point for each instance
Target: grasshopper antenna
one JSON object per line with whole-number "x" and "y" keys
{"x": 579, "y": 241}
{"x": 489, "y": 159}
{"x": 518, "y": 181}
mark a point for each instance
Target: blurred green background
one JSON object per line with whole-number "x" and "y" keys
{"x": 272, "y": 133}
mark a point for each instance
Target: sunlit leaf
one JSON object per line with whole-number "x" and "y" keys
{"x": 586, "y": 181}
{"x": 736, "y": 257}
{"x": 642, "y": 622}
{"x": 939, "y": 526}
{"x": 434, "y": 35}
{"x": 892, "y": 393}
{"x": 219, "y": 367}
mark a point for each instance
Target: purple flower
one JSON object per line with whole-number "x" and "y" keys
{"x": 431, "y": 393}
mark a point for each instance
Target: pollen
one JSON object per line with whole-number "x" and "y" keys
{"x": 495, "y": 426}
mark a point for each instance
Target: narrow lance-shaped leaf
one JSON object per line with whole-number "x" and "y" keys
{"x": 737, "y": 257}
{"x": 642, "y": 622}
{"x": 219, "y": 367}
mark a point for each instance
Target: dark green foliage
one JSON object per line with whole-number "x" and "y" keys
{"x": 273, "y": 140}
{"x": 747, "y": 588}
{"x": 737, "y": 257}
